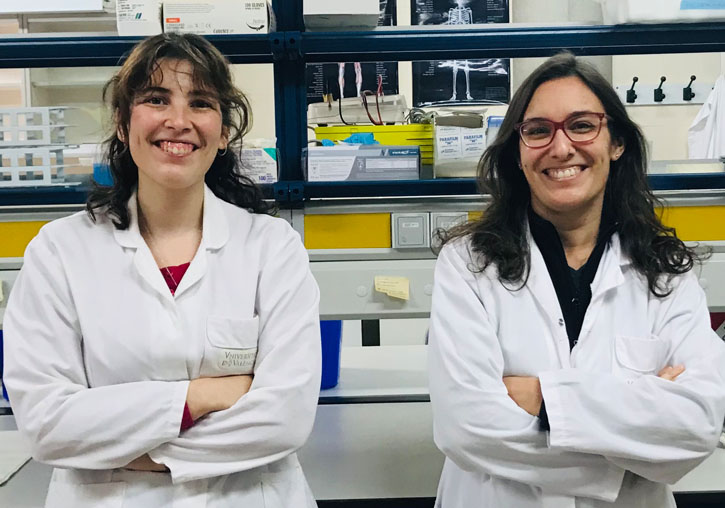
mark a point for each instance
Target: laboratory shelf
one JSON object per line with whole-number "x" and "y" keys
{"x": 43, "y": 195}
{"x": 76, "y": 50}
{"x": 440, "y": 187}
{"x": 468, "y": 186}
{"x": 64, "y": 195}
{"x": 508, "y": 40}
{"x": 687, "y": 181}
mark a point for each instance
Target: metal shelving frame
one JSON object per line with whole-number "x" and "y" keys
{"x": 290, "y": 49}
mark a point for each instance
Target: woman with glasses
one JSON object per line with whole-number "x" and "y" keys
{"x": 572, "y": 363}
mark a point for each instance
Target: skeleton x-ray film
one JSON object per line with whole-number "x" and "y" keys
{"x": 472, "y": 81}
{"x": 354, "y": 77}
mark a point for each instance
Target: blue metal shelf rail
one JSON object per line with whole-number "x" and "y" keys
{"x": 468, "y": 186}
{"x": 19, "y": 51}
{"x": 511, "y": 41}
{"x": 291, "y": 48}
{"x": 67, "y": 195}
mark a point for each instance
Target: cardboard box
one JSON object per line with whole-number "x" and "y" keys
{"x": 138, "y": 17}
{"x": 362, "y": 163}
{"x": 213, "y": 17}
{"x": 327, "y": 14}
{"x": 457, "y": 151}
{"x": 260, "y": 164}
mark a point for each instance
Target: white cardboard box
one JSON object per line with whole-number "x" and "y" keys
{"x": 260, "y": 164}
{"x": 325, "y": 14}
{"x": 138, "y": 17}
{"x": 362, "y": 163}
{"x": 22, "y": 6}
{"x": 661, "y": 11}
{"x": 216, "y": 16}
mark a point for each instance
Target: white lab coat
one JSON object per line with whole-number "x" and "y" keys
{"x": 618, "y": 432}
{"x": 99, "y": 355}
{"x": 706, "y": 135}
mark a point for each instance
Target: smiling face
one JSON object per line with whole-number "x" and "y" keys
{"x": 567, "y": 177}
{"x": 175, "y": 129}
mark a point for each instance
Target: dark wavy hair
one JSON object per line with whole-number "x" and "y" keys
{"x": 211, "y": 72}
{"x": 500, "y": 236}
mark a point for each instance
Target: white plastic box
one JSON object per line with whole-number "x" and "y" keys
{"x": 216, "y": 16}
{"x": 661, "y": 11}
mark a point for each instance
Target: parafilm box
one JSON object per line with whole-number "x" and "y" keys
{"x": 216, "y": 17}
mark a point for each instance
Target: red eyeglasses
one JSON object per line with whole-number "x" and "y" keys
{"x": 579, "y": 128}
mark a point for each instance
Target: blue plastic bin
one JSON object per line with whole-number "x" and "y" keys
{"x": 102, "y": 174}
{"x": 4, "y": 392}
{"x": 331, "y": 333}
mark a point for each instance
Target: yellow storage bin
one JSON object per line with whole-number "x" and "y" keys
{"x": 418, "y": 134}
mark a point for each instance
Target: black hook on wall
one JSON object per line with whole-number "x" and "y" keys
{"x": 687, "y": 93}
{"x": 631, "y": 94}
{"x": 659, "y": 94}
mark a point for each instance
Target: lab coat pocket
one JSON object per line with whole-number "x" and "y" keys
{"x": 231, "y": 346}
{"x": 637, "y": 356}
{"x": 95, "y": 495}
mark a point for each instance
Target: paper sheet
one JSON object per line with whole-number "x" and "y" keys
{"x": 14, "y": 453}
{"x": 395, "y": 287}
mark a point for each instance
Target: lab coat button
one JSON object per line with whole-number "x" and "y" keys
{"x": 561, "y": 322}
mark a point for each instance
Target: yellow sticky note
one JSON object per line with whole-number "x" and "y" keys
{"x": 395, "y": 287}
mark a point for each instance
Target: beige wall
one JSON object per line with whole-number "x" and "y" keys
{"x": 257, "y": 82}
{"x": 11, "y": 80}
{"x": 665, "y": 126}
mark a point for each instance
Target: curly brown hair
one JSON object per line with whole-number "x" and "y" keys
{"x": 210, "y": 71}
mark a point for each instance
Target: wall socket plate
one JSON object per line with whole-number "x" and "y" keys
{"x": 410, "y": 230}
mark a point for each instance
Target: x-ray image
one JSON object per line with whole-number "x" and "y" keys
{"x": 349, "y": 79}
{"x": 469, "y": 81}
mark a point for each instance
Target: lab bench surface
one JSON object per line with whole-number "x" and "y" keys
{"x": 380, "y": 446}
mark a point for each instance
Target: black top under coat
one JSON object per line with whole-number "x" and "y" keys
{"x": 573, "y": 287}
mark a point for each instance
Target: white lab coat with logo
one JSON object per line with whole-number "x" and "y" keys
{"x": 99, "y": 355}
{"x": 619, "y": 433}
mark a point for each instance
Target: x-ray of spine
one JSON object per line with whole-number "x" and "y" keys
{"x": 349, "y": 79}
{"x": 460, "y": 81}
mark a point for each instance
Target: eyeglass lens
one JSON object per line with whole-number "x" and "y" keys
{"x": 579, "y": 128}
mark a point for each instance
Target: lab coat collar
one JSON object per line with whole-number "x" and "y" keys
{"x": 609, "y": 275}
{"x": 539, "y": 282}
{"x": 214, "y": 236}
{"x": 214, "y": 223}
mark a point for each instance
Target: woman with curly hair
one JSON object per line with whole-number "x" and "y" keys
{"x": 162, "y": 349}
